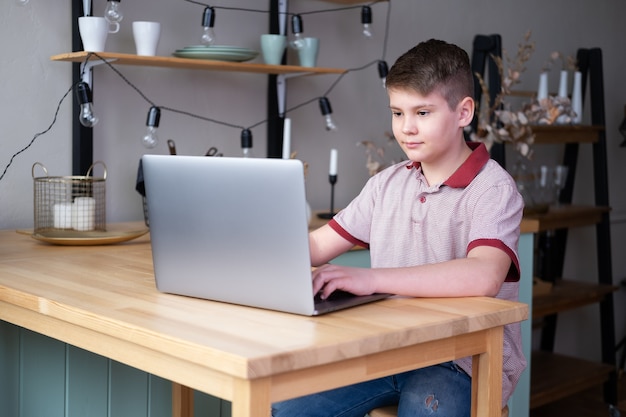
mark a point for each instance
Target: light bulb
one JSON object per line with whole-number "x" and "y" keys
{"x": 367, "y": 32}
{"x": 246, "y": 143}
{"x": 327, "y": 110}
{"x": 296, "y": 28}
{"x": 87, "y": 118}
{"x": 383, "y": 70}
{"x": 208, "y": 36}
{"x": 366, "y": 20}
{"x": 112, "y": 13}
{"x": 330, "y": 124}
{"x": 151, "y": 139}
{"x": 208, "y": 21}
{"x": 21, "y": 2}
{"x": 83, "y": 94}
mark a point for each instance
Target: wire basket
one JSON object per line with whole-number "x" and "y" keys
{"x": 69, "y": 203}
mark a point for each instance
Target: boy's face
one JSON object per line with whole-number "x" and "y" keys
{"x": 425, "y": 127}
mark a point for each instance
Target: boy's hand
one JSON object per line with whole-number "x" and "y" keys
{"x": 328, "y": 278}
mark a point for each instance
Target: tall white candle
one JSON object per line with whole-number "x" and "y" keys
{"x": 542, "y": 91}
{"x": 562, "y": 94}
{"x": 563, "y": 84}
{"x": 333, "y": 162}
{"x": 287, "y": 139}
{"x": 577, "y": 98}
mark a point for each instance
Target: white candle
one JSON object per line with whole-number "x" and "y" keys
{"x": 333, "y": 162}
{"x": 563, "y": 94}
{"x": 542, "y": 91}
{"x": 84, "y": 214}
{"x": 63, "y": 216}
{"x": 563, "y": 84}
{"x": 287, "y": 139}
{"x": 577, "y": 100}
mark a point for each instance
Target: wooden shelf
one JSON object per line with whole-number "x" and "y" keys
{"x": 585, "y": 404}
{"x": 554, "y": 376}
{"x": 566, "y": 134}
{"x": 567, "y": 295}
{"x": 562, "y": 217}
{"x": 200, "y": 64}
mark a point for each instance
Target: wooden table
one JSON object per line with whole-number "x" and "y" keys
{"x": 103, "y": 299}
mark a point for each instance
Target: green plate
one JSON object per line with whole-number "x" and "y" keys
{"x": 215, "y": 48}
{"x": 218, "y": 55}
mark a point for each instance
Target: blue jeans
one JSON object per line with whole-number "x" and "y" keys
{"x": 443, "y": 390}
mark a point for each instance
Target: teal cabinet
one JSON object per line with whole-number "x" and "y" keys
{"x": 40, "y": 376}
{"x": 359, "y": 258}
{"x": 520, "y": 401}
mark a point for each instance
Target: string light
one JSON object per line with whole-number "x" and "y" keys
{"x": 87, "y": 12}
{"x": 327, "y": 110}
{"x": 151, "y": 139}
{"x": 208, "y": 21}
{"x": 246, "y": 143}
{"x": 113, "y": 14}
{"x": 83, "y": 94}
{"x": 296, "y": 28}
{"x": 366, "y": 20}
{"x": 383, "y": 70}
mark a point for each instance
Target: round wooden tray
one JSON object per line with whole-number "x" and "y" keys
{"x": 92, "y": 238}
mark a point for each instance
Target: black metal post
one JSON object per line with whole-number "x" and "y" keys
{"x": 82, "y": 137}
{"x": 275, "y": 120}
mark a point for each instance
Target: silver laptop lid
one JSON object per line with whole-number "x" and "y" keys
{"x": 230, "y": 229}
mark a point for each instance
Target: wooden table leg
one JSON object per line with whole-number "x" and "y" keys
{"x": 252, "y": 398}
{"x": 487, "y": 376}
{"x": 182, "y": 400}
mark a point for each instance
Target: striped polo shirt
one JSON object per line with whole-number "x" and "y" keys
{"x": 404, "y": 221}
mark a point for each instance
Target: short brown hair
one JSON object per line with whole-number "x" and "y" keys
{"x": 434, "y": 64}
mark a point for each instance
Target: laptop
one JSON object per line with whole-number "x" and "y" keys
{"x": 234, "y": 230}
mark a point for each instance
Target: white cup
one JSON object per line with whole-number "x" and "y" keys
{"x": 146, "y": 35}
{"x": 93, "y": 32}
{"x": 307, "y": 54}
{"x": 273, "y": 48}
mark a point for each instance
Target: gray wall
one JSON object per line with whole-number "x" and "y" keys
{"x": 32, "y": 86}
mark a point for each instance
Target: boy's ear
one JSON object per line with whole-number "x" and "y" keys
{"x": 466, "y": 111}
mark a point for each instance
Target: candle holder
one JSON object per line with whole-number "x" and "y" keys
{"x": 333, "y": 180}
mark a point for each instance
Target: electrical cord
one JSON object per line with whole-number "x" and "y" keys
{"x": 196, "y": 116}
{"x": 56, "y": 113}
{"x": 241, "y": 9}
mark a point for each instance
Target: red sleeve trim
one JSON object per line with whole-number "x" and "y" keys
{"x": 514, "y": 272}
{"x": 343, "y": 233}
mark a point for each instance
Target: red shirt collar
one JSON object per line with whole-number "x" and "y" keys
{"x": 463, "y": 176}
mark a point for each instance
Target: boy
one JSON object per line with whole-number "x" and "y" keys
{"x": 444, "y": 224}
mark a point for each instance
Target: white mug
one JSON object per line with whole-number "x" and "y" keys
{"x": 146, "y": 35}
{"x": 93, "y": 32}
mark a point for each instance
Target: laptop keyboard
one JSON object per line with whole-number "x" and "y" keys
{"x": 334, "y": 296}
